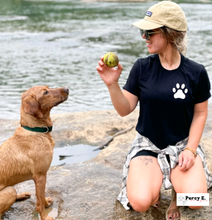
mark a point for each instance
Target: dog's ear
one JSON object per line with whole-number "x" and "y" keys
{"x": 31, "y": 106}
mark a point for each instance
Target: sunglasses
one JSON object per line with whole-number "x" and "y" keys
{"x": 147, "y": 33}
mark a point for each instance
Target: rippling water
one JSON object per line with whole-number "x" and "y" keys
{"x": 58, "y": 43}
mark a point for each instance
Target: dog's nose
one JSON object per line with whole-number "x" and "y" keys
{"x": 66, "y": 90}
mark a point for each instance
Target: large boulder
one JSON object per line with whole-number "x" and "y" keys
{"x": 88, "y": 190}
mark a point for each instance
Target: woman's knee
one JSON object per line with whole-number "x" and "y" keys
{"x": 140, "y": 204}
{"x": 195, "y": 207}
{"x": 196, "y": 190}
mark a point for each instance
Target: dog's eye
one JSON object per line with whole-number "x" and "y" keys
{"x": 46, "y": 92}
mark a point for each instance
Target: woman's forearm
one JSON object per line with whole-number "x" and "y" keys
{"x": 198, "y": 124}
{"x": 123, "y": 101}
{"x": 186, "y": 159}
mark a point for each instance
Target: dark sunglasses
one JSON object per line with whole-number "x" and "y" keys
{"x": 147, "y": 33}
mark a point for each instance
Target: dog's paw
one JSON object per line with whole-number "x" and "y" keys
{"x": 23, "y": 196}
{"x": 48, "y": 202}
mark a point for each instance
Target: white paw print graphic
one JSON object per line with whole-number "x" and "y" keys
{"x": 180, "y": 91}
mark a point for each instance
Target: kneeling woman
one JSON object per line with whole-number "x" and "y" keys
{"x": 173, "y": 93}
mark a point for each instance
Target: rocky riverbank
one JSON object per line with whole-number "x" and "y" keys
{"x": 88, "y": 190}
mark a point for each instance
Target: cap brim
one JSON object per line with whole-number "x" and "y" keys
{"x": 147, "y": 25}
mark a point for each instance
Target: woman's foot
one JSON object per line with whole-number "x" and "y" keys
{"x": 156, "y": 205}
{"x": 173, "y": 212}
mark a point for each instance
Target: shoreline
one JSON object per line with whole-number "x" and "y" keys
{"x": 116, "y": 0}
{"x": 67, "y": 124}
{"x": 5, "y": 120}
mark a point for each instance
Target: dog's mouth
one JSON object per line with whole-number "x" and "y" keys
{"x": 63, "y": 100}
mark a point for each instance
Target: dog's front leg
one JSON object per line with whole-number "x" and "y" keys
{"x": 40, "y": 184}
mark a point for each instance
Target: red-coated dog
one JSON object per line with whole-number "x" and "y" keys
{"x": 28, "y": 153}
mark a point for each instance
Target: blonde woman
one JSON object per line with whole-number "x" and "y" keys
{"x": 173, "y": 93}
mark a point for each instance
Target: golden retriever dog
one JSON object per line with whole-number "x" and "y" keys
{"x": 28, "y": 153}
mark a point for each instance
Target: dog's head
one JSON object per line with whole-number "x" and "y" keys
{"x": 39, "y": 100}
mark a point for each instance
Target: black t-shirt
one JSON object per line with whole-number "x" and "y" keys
{"x": 167, "y": 98}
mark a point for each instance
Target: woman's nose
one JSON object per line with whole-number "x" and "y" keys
{"x": 143, "y": 36}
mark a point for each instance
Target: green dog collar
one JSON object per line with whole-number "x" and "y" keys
{"x": 38, "y": 129}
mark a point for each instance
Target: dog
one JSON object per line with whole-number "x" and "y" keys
{"x": 28, "y": 153}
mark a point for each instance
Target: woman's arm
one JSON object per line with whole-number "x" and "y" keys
{"x": 186, "y": 158}
{"x": 123, "y": 101}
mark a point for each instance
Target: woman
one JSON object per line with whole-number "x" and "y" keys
{"x": 173, "y": 93}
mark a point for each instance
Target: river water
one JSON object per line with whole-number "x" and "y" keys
{"x": 58, "y": 43}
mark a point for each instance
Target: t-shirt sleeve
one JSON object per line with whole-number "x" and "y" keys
{"x": 203, "y": 90}
{"x": 132, "y": 84}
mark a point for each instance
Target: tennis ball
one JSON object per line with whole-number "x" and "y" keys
{"x": 111, "y": 59}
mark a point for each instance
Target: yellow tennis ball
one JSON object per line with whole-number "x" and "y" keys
{"x": 111, "y": 59}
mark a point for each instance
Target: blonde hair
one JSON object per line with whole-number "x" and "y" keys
{"x": 178, "y": 39}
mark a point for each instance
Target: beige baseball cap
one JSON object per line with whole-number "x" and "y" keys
{"x": 165, "y": 13}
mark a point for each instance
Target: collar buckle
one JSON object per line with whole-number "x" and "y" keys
{"x": 47, "y": 129}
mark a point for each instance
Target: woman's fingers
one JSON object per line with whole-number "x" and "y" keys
{"x": 186, "y": 160}
{"x": 101, "y": 63}
{"x": 120, "y": 67}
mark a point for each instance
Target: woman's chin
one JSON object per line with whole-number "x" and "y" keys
{"x": 151, "y": 51}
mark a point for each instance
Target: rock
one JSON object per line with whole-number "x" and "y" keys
{"x": 88, "y": 190}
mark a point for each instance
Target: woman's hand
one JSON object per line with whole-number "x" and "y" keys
{"x": 109, "y": 75}
{"x": 186, "y": 160}
{"x": 123, "y": 101}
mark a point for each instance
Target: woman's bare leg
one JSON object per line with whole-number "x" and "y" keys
{"x": 144, "y": 182}
{"x": 190, "y": 181}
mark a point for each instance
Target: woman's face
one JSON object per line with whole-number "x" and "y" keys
{"x": 156, "y": 42}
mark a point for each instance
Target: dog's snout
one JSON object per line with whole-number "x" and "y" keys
{"x": 66, "y": 90}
